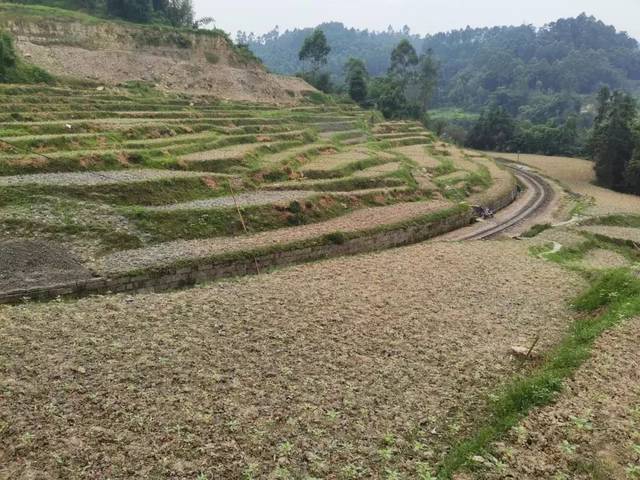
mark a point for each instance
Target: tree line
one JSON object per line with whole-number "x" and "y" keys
{"x": 540, "y": 84}
{"x": 404, "y": 91}
{"x": 177, "y": 13}
{"x": 614, "y": 142}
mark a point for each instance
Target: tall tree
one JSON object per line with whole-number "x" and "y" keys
{"x": 494, "y": 130}
{"x": 404, "y": 59}
{"x": 613, "y": 138}
{"x": 315, "y": 49}
{"x": 356, "y": 77}
{"x": 427, "y": 80}
{"x": 8, "y": 58}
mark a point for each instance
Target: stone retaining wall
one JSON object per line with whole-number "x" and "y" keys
{"x": 212, "y": 269}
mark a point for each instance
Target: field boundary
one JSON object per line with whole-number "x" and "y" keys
{"x": 201, "y": 270}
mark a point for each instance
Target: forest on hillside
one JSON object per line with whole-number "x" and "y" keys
{"x": 544, "y": 80}
{"x": 177, "y": 13}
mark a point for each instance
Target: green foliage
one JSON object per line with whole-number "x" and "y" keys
{"x": 613, "y": 141}
{"x": 541, "y": 77}
{"x": 356, "y": 76}
{"x": 403, "y": 59}
{"x": 494, "y": 131}
{"x": 315, "y": 49}
{"x": 13, "y": 69}
{"x": 178, "y": 13}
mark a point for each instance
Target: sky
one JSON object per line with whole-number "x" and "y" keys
{"x": 422, "y": 16}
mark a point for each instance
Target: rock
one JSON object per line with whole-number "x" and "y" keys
{"x": 100, "y": 89}
{"x": 524, "y": 352}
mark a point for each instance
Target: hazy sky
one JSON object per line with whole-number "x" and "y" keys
{"x": 423, "y": 16}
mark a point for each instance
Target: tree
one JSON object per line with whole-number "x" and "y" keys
{"x": 132, "y": 10}
{"x": 315, "y": 49}
{"x": 494, "y": 130}
{"x": 180, "y": 13}
{"x": 427, "y": 80}
{"x": 356, "y": 76}
{"x": 403, "y": 60}
{"x": 389, "y": 98}
{"x": 8, "y": 58}
{"x": 613, "y": 138}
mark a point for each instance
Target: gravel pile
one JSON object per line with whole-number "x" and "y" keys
{"x": 314, "y": 369}
{"x": 171, "y": 252}
{"x": 34, "y": 263}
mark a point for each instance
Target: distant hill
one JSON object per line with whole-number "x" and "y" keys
{"x": 513, "y": 66}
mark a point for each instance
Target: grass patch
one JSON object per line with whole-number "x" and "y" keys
{"x": 629, "y": 221}
{"x": 536, "y": 230}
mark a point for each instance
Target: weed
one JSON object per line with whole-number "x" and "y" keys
{"x": 536, "y": 230}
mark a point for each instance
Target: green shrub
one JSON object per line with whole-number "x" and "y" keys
{"x": 13, "y": 70}
{"x": 212, "y": 57}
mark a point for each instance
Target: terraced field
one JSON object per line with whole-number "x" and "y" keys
{"x": 127, "y": 173}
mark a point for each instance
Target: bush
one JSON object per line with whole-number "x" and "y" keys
{"x": 13, "y": 70}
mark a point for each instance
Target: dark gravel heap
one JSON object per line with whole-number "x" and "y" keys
{"x": 32, "y": 263}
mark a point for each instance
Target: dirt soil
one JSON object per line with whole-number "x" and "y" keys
{"x": 623, "y": 233}
{"x": 175, "y": 71}
{"x": 33, "y": 263}
{"x": 593, "y": 431}
{"x": 351, "y": 367}
{"x": 601, "y": 258}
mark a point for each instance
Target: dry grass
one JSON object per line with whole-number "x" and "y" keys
{"x": 338, "y": 160}
{"x": 623, "y": 233}
{"x": 418, "y": 154}
{"x": 354, "y": 367}
{"x": 578, "y": 176}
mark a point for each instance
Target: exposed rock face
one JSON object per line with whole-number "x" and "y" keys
{"x": 198, "y": 63}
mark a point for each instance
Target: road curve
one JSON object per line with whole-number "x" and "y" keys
{"x": 542, "y": 195}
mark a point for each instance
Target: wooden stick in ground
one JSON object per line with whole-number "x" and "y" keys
{"x": 244, "y": 225}
{"x": 533, "y": 346}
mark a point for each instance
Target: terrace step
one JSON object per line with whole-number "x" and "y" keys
{"x": 169, "y": 253}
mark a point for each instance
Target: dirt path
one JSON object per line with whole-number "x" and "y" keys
{"x": 241, "y": 199}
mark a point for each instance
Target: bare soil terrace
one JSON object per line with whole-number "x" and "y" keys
{"x": 349, "y": 368}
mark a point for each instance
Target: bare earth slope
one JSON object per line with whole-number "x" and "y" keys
{"x": 116, "y": 52}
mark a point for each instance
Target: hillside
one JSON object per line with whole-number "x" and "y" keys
{"x": 71, "y": 44}
{"x": 551, "y": 70}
